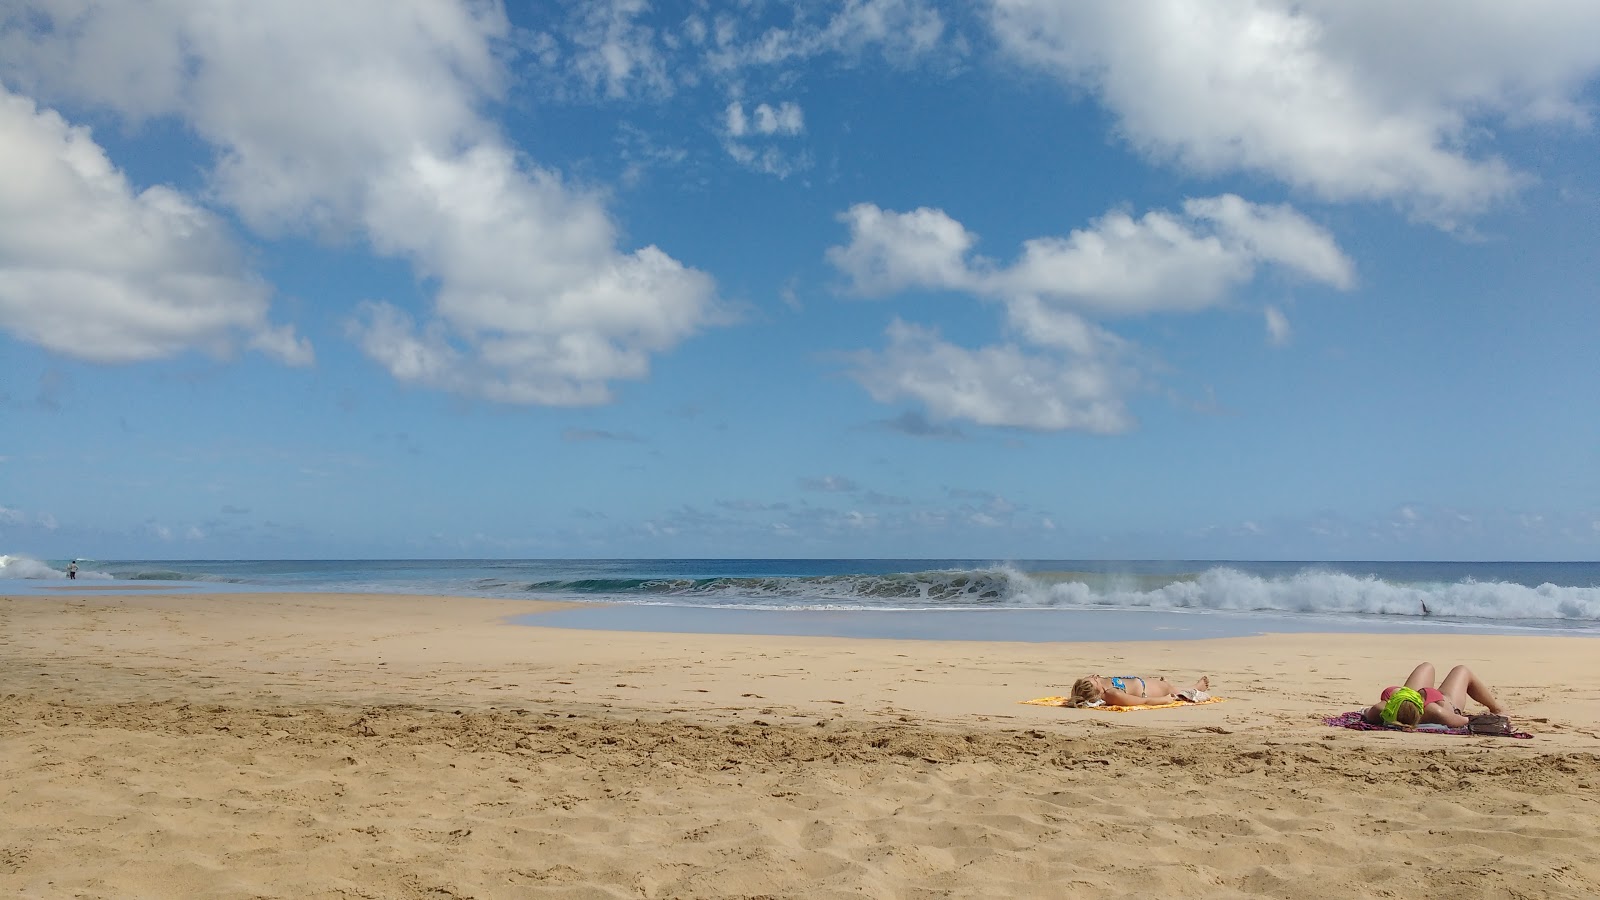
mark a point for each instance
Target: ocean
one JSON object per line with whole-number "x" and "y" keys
{"x": 942, "y": 598}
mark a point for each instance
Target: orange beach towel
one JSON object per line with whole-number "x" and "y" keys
{"x": 1067, "y": 701}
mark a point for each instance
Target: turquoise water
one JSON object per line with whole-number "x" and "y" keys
{"x": 1193, "y": 598}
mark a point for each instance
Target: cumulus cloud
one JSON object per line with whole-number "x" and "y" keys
{"x": 1066, "y": 372}
{"x": 1351, "y": 101}
{"x": 1001, "y": 385}
{"x": 360, "y": 123}
{"x": 1276, "y": 234}
{"x": 93, "y": 269}
{"x": 891, "y": 252}
{"x": 1120, "y": 265}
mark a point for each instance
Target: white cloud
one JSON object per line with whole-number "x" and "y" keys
{"x": 903, "y": 30}
{"x": 360, "y": 121}
{"x": 785, "y": 118}
{"x": 1278, "y": 330}
{"x": 530, "y": 281}
{"x": 93, "y": 269}
{"x": 768, "y": 160}
{"x": 735, "y": 122}
{"x": 616, "y": 54}
{"x": 857, "y": 520}
{"x": 1078, "y": 374}
{"x": 1160, "y": 262}
{"x": 632, "y": 48}
{"x": 890, "y": 252}
{"x": 1047, "y": 326}
{"x": 1000, "y": 385}
{"x": 1348, "y": 100}
{"x": 1276, "y": 234}
{"x": 752, "y": 140}
{"x": 1123, "y": 265}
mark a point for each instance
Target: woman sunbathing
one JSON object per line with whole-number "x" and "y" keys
{"x": 1420, "y": 703}
{"x": 1132, "y": 690}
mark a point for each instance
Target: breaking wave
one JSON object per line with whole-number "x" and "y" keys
{"x": 1500, "y": 592}
{"x": 1311, "y": 591}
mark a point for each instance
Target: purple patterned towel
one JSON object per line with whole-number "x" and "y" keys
{"x": 1353, "y": 720}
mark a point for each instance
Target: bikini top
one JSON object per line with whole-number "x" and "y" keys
{"x": 1120, "y": 682}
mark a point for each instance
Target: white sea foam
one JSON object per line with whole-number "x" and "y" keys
{"x": 26, "y": 567}
{"x": 1324, "y": 593}
{"x": 1329, "y": 589}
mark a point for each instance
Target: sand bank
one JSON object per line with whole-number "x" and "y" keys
{"x": 324, "y": 746}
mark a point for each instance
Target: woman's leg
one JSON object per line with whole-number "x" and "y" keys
{"x": 1161, "y": 687}
{"x": 1461, "y": 684}
{"x": 1421, "y": 677}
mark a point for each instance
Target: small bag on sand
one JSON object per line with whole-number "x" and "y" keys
{"x": 1488, "y": 723}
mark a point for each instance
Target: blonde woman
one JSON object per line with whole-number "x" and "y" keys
{"x": 1134, "y": 690}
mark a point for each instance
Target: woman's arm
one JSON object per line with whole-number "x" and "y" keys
{"x": 1115, "y": 697}
{"x": 1443, "y": 714}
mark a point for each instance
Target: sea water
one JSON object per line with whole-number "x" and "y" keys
{"x": 947, "y": 598}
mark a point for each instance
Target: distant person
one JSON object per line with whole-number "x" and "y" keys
{"x": 72, "y": 569}
{"x": 1418, "y": 702}
{"x": 1133, "y": 690}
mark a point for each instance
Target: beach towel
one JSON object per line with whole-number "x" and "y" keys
{"x": 1354, "y": 720}
{"x": 1067, "y": 701}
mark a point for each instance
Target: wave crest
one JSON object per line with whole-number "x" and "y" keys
{"x": 28, "y": 568}
{"x": 1336, "y": 593}
{"x": 1221, "y": 589}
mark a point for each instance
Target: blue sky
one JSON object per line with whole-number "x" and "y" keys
{"x": 872, "y": 278}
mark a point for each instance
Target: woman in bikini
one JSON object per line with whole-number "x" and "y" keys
{"x": 1132, "y": 690}
{"x": 1418, "y": 702}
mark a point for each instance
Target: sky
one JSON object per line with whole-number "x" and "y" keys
{"x": 1006, "y": 279}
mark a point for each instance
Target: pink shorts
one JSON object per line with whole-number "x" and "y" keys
{"x": 1429, "y": 695}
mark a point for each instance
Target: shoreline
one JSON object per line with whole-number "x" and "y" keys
{"x": 253, "y": 641}
{"x": 1000, "y": 623}
{"x": 316, "y": 745}
{"x": 1007, "y": 624}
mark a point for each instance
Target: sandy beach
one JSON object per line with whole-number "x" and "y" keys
{"x": 323, "y": 746}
